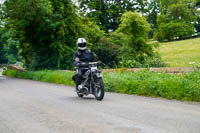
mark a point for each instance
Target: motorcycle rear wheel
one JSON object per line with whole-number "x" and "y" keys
{"x": 99, "y": 91}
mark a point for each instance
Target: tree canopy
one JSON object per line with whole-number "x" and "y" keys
{"x": 47, "y": 30}
{"x": 106, "y": 13}
{"x": 42, "y": 34}
{"x": 135, "y": 29}
{"x": 176, "y": 18}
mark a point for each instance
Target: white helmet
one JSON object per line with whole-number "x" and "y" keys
{"x": 81, "y": 43}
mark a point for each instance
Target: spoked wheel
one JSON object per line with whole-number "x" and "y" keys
{"x": 99, "y": 89}
{"x": 78, "y": 93}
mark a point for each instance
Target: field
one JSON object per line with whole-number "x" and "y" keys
{"x": 181, "y": 53}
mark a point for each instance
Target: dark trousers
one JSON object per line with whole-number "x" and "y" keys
{"x": 78, "y": 77}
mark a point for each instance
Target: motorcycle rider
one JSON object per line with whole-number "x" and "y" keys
{"x": 81, "y": 55}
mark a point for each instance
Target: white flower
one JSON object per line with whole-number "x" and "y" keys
{"x": 191, "y": 63}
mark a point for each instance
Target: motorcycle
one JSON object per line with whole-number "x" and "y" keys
{"x": 91, "y": 82}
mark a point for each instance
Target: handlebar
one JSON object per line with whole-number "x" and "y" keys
{"x": 91, "y": 63}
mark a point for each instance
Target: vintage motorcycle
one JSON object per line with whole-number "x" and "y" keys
{"x": 92, "y": 82}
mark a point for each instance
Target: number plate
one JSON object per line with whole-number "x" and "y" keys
{"x": 93, "y": 68}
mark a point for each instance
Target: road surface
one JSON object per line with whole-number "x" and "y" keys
{"x": 35, "y": 107}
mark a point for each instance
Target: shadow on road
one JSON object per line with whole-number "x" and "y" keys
{"x": 76, "y": 98}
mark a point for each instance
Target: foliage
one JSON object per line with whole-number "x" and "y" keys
{"x": 175, "y": 20}
{"x": 9, "y": 46}
{"x": 107, "y": 13}
{"x": 135, "y": 30}
{"x": 197, "y": 25}
{"x": 181, "y": 87}
{"x": 127, "y": 46}
{"x": 2, "y": 52}
{"x": 153, "y": 61}
{"x": 57, "y": 77}
{"x": 142, "y": 6}
{"x": 44, "y": 32}
{"x": 10, "y": 72}
{"x": 47, "y": 30}
{"x": 174, "y": 30}
{"x": 90, "y": 31}
{"x": 120, "y": 54}
{"x": 104, "y": 46}
{"x": 169, "y": 86}
{"x": 152, "y": 14}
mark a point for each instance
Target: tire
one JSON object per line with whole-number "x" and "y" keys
{"x": 80, "y": 95}
{"x": 99, "y": 92}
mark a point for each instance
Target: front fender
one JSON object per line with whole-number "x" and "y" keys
{"x": 99, "y": 75}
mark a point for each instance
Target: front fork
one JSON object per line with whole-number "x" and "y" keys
{"x": 92, "y": 81}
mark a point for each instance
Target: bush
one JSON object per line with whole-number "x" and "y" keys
{"x": 186, "y": 87}
{"x": 10, "y": 72}
{"x": 111, "y": 58}
{"x": 135, "y": 51}
{"x": 174, "y": 30}
{"x": 154, "y": 61}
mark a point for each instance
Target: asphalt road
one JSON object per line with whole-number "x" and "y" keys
{"x": 35, "y": 107}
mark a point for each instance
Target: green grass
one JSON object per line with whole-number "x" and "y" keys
{"x": 181, "y": 87}
{"x": 45, "y": 76}
{"x": 181, "y": 53}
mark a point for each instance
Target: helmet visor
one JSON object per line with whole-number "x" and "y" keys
{"x": 82, "y": 45}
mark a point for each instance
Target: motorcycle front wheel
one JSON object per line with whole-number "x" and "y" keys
{"x": 99, "y": 89}
{"x": 78, "y": 93}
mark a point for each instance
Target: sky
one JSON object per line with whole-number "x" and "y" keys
{"x": 1, "y": 1}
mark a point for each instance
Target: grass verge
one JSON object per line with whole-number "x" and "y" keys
{"x": 181, "y": 87}
{"x": 45, "y": 76}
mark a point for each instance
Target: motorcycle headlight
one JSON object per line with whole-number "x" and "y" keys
{"x": 93, "y": 69}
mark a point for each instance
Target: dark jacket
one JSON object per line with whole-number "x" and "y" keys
{"x": 83, "y": 56}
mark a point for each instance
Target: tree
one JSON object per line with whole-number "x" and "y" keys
{"x": 104, "y": 45}
{"x": 90, "y": 31}
{"x": 135, "y": 30}
{"x": 197, "y": 25}
{"x": 9, "y": 47}
{"x": 2, "y": 52}
{"x": 106, "y": 13}
{"x": 142, "y": 6}
{"x": 177, "y": 15}
{"x": 152, "y": 14}
{"x": 47, "y": 31}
